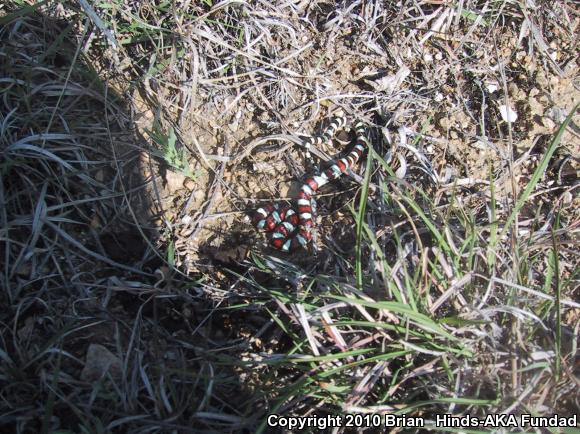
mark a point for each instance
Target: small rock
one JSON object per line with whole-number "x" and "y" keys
{"x": 100, "y": 175}
{"x": 391, "y": 82}
{"x": 567, "y": 198}
{"x": 549, "y": 123}
{"x": 199, "y": 195}
{"x": 479, "y": 144}
{"x": 445, "y": 123}
{"x": 556, "y": 114}
{"x": 492, "y": 87}
{"x": 189, "y": 184}
{"x": 284, "y": 189}
{"x": 99, "y": 361}
{"x": 508, "y": 114}
{"x": 175, "y": 180}
{"x": 25, "y": 332}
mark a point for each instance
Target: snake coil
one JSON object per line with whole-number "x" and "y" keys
{"x": 291, "y": 227}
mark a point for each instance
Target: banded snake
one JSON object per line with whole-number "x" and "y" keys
{"x": 291, "y": 227}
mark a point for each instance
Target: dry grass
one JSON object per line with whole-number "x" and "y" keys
{"x": 136, "y": 135}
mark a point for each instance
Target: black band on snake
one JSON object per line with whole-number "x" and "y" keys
{"x": 291, "y": 227}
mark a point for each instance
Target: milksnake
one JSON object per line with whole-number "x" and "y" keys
{"x": 291, "y": 227}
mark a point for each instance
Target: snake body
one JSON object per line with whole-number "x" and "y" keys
{"x": 291, "y": 227}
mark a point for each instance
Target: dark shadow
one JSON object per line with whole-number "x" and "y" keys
{"x": 98, "y": 331}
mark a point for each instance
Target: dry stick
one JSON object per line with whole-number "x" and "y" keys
{"x": 257, "y": 142}
{"x": 303, "y": 321}
{"x": 537, "y": 36}
{"x": 514, "y": 361}
{"x": 538, "y": 294}
{"x": 88, "y": 9}
{"x": 212, "y": 38}
{"x": 215, "y": 8}
{"x": 333, "y": 331}
{"x": 209, "y": 203}
{"x": 192, "y": 85}
{"x": 366, "y": 384}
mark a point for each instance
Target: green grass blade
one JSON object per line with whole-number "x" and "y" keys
{"x": 360, "y": 220}
{"x": 538, "y": 172}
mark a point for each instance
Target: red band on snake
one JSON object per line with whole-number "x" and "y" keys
{"x": 291, "y": 227}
